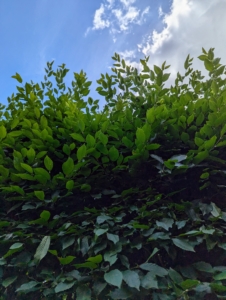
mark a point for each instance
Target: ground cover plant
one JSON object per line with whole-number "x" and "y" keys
{"x": 123, "y": 203}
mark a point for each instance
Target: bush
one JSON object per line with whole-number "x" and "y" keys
{"x": 126, "y": 203}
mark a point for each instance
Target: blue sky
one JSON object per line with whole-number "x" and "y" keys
{"x": 85, "y": 34}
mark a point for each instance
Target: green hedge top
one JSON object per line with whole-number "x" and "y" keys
{"x": 123, "y": 203}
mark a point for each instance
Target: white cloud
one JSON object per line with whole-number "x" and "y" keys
{"x": 118, "y": 16}
{"x": 99, "y": 22}
{"x": 127, "y": 2}
{"x": 187, "y": 27}
{"x": 131, "y": 16}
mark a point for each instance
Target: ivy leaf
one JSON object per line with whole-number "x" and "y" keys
{"x": 114, "y": 277}
{"x": 42, "y": 249}
{"x": 132, "y": 279}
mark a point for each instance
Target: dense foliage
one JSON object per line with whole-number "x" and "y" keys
{"x": 126, "y": 203}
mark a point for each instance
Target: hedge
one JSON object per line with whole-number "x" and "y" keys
{"x": 127, "y": 202}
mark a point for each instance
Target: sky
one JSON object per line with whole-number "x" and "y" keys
{"x": 85, "y": 35}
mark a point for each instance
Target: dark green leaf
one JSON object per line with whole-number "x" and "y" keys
{"x": 114, "y": 277}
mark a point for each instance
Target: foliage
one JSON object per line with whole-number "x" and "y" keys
{"x": 126, "y": 203}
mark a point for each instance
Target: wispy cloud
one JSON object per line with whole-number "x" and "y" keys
{"x": 118, "y": 16}
{"x": 188, "y": 26}
{"x": 99, "y": 21}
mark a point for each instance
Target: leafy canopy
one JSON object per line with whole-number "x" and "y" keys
{"x": 123, "y": 203}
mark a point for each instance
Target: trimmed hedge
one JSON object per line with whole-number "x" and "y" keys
{"x": 124, "y": 203}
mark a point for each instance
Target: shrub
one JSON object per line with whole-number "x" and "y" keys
{"x": 123, "y": 203}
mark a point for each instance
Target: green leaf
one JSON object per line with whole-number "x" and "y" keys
{"x": 67, "y": 242}
{"x": 150, "y": 115}
{"x": 184, "y": 137}
{"x": 199, "y": 142}
{"x": 27, "y": 286}
{"x": 3, "y": 132}
{"x": 216, "y": 211}
{"x": 114, "y": 277}
{"x": 218, "y": 287}
{"x": 62, "y": 286}
{"x": 113, "y": 153}
{"x": 16, "y": 246}
{"x": 154, "y": 269}
{"x": 165, "y": 223}
{"x": 103, "y": 138}
{"x": 203, "y": 266}
{"x": 81, "y": 152}
{"x": 200, "y": 119}
{"x": 140, "y": 135}
{"x": 85, "y": 187}
{"x": 102, "y": 218}
{"x": 26, "y": 167}
{"x": 42, "y": 174}
{"x": 31, "y": 155}
{"x": 14, "y": 123}
{"x": 153, "y": 146}
{"x": 122, "y": 293}
{"x": 189, "y": 284}
{"x": 68, "y": 166}
{"x": 113, "y": 237}
{"x": 66, "y": 260}
{"x": 83, "y": 293}
{"x": 6, "y": 282}
{"x": 77, "y": 137}
{"x": 208, "y": 65}
{"x": 70, "y": 184}
{"x": 132, "y": 279}
{"x": 40, "y": 195}
{"x": 183, "y": 244}
{"x": 149, "y": 281}
{"x": 45, "y": 215}
{"x": 17, "y": 77}
{"x": 48, "y": 163}
{"x": 175, "y": 276}
{"x": 210, "y": 143}
{"x": 87, "y": 264}
{"x": 43, "y": 121}
{"x": 96, "y": 259}
{"x": 201, "y": 156}
{"x": 127, "y": 142}
{"x": 221, "y": 276}
{"x": 90, "y": 140}
{"x": 42, "y": 249}
{"x": 99, "y": 231}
